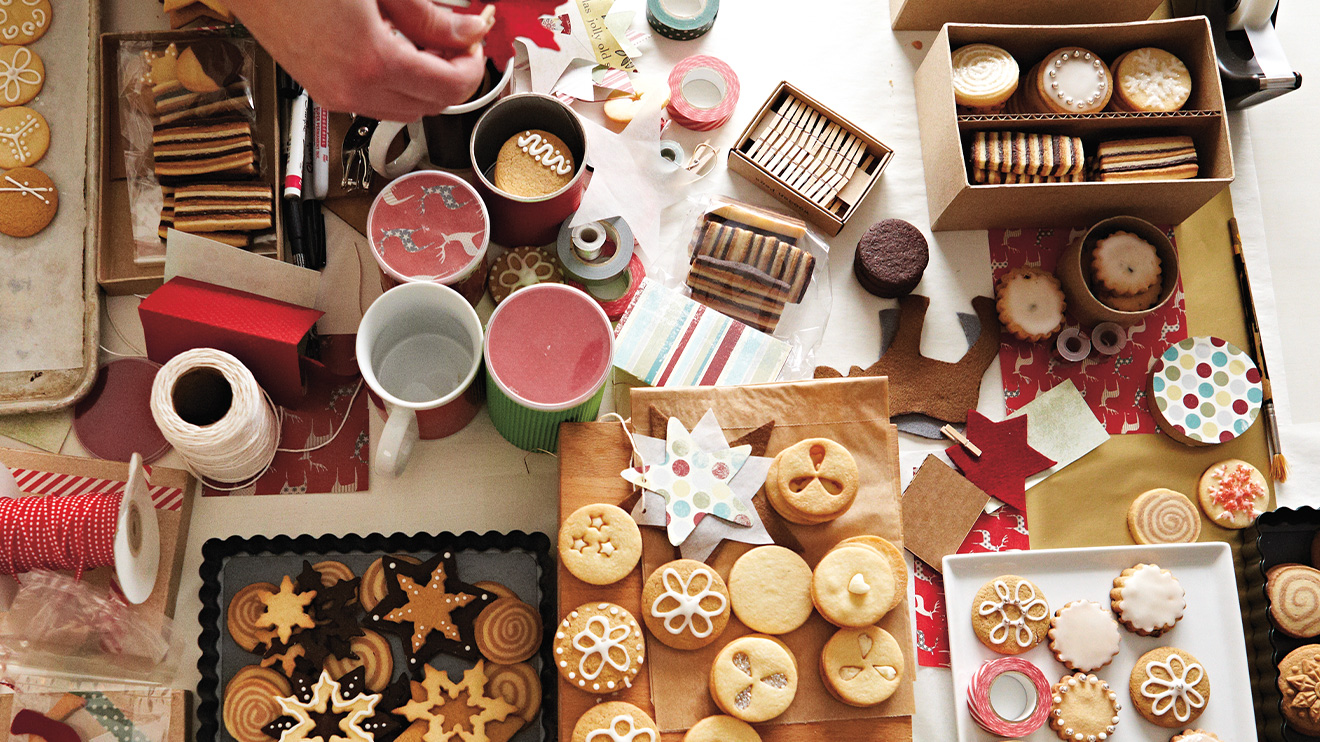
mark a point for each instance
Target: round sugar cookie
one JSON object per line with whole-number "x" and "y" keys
{"x": 770, "y": 590}
{"x": 1299, "y": 684}
{"x": 243, "y": 615}
{"x": 1233, "y": 493}
{"x": 599, "y": 648}
{"x": 508, "y": 631}
{"x": 1030, "y": 303}
{"x": 862, "y": 667}
{"x": 721, "y": 729}
{"x": 892, "y": 553}
{"x": 1169, "y": 687}
{"x": 1125, "y": 265}
{"x": 685, "y": 604}
{"x": 28, "y": 202}
{"x": 817, "y": 478}
{"x": 754, "y": 678}
{"x": 532, "y": 164}
{"x": 1147, "y": 600}
{"x": 24, "y": 21}
{"x": 1010, "y": 614}
{"x": 984, "y": 76}
{"x": 1162, "y": 516}
{"x": 24, "y": 137}
{"x": 853, "y": 586}
{"x": 1084, "y": 708}
{"x": 1150, "y": 79}
{"x": 22, "y": 74}
{"x": 1073, "y": 80}
{"x": 599, "y": 544}
{"x": 1084, "y": 636}
{"x": 615, "y": 721}
{"x": 249, "y": 702}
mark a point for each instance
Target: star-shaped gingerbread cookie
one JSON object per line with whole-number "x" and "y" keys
{"x": 1006, "y": 459}
{"x": 286, "y": 610}
{"x": 430, "y": 608}
{"x": 329, "y": 715}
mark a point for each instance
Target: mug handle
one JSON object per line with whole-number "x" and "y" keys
{"x": 383, "y": 137}
{"x": 396, "y": 441}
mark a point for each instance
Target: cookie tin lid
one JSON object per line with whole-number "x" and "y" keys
{"x": 114, "y": 420}
{"x": 1206, "y": 389}
{"x": 549, "y": 346}
{"x": 428, "y": 226}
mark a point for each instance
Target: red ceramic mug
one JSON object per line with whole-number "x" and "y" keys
{"x": 523, "y": 220}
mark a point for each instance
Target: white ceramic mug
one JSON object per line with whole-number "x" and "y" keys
{"x": 419, "y": 348}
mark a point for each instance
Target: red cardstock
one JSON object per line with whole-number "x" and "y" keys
{"x": 262, "y": 333}
{"x": 1005, "y": 461}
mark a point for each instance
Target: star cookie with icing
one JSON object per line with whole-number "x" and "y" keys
{"x": 430, "y": 608}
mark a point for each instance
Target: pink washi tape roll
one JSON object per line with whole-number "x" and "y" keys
{"x": 703, "y": 92}
{"x": 1009, "y": 697}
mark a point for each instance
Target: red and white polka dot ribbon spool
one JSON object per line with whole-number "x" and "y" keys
{"x": 1033, "y": 688}
{"x": 74, "y": 533}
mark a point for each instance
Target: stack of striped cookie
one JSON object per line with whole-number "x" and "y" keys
{"x": 202, "y": 144}
{"x": 1014, "y": 157}
{"x": 1149, "y": 158}
{"x": 747, "y": 274}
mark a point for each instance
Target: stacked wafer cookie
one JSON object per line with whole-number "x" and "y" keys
{"x": 1017, "y": 157}
{"x": 747, "y": 274}
{"x": 222, "y": 211}
{"x": 1150, "y": 158}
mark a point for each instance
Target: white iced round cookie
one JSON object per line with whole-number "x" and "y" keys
{"x": 22, "y": 74}
{"x": 599, "y": 648}
{"x": 1074, "y": 80}
{"x": 1151, "y": 79}
{"x": 685, "y": 604}
{"x": 1084, "y": 636}
{"x": 23, "y": 21}
{"x": 1148, "y": 600}
{"x": 984, "y": 75}
{"x": 1030, "y": 303}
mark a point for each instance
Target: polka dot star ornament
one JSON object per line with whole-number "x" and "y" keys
{"x": 694, "y": 483}
{"x": 1204, "y": 391}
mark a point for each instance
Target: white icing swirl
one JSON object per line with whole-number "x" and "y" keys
{"x": 603, "y": 643}
{"x": 1176, "y": 692}
{"x": 545, "y": 153}
{"x": 1023, "y": 598}
{"x": 687, "y": 610}
{"x": 630, "y": 732}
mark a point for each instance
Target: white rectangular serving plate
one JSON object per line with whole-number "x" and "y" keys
{"x": 1211, "y": 628}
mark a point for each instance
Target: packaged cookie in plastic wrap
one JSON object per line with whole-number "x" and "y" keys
{"x": 767, "y": 270}
{"x": 192, "y": 148}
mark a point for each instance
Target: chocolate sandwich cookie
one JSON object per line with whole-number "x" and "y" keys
{"x": 994, "y": 177}
{"x": 1150, "y": 158}
{"x": 891, "y": 258}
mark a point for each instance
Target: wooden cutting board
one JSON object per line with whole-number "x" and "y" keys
{"x": 591, "y": 456}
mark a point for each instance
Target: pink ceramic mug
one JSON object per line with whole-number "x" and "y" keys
{"x": 419, "y": 349}
{"x": 527, "y": 220}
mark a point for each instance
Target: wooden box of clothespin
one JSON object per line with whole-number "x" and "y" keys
{"x": 806, "y": 155}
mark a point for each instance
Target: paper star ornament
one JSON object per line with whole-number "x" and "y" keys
{"x": 694, "y": 482}
{"x": 1006, "y": 459}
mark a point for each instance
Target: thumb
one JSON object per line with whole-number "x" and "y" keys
{"x": 430, "y": 26}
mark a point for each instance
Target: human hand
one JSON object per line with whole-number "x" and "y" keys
{"x": 349, "y": 58}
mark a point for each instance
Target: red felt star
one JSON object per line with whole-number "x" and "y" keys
{"x": 1005, "y": 461}
{"x": 514, "y": 18}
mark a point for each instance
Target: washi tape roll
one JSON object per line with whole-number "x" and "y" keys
{"x": 1009, "y": 697}
{"x": 703, "y": 92}
{"x": 1073, "y": 345}
{"x": 615, "y": 296}
{"x": 1205, "y": 390}
{"x": 673, "y": 152}
{"x": 682, "y": 20}
{"x": 1109, "y": 338}
{"x": 608, "y": 265}
{"x": 588, "y": 240}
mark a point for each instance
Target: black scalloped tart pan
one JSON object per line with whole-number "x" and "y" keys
{"x": 250, "y": 556}
{"x": 1281, "y": 536}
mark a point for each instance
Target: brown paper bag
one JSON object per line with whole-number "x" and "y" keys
{"x": 853, "y": 412}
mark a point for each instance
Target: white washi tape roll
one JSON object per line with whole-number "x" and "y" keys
{"x": 588, "y": 239}
{"x": 1251, "y": 13}
{"x": 137, "y": 537}
{"x": 383, "y": 137}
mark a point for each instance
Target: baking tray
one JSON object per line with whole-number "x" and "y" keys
{"x": 51, "y": 389}
{"x": 518, "y": 560}
{"x": 1209, "y": 632}
{"x": 1278, "y": 537}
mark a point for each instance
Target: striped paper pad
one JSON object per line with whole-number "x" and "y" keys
{"x": 666, "y": 339}
{"x": 34, "y": 482}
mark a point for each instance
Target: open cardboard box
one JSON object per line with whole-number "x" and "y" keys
{"x": 928, "y": 15}
{"x": 957, "y": 204}
{"x": 116, "y": 270}
{"x": 853, "y": 193}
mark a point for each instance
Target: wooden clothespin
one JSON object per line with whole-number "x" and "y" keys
{"x": 952, "y": 434}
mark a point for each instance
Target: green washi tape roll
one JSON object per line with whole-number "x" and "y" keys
{"x": 682, "y": 20}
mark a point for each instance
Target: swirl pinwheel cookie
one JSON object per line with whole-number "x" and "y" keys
{"x": 1010, "y": 615}
{"x": 243, "y": 616}
{"x": 250, "y": 702}
{"x": 685, "y": 604}
{"x": 984, "y": 77}
{"x": 1294, "y": 593}
{"x": 1147, "y": 600}
{"x": 508, "y": 631}
{"x": 1162, "y": 516}
{"x": 599, "y": 648}
{"x": 1169, "y": 687}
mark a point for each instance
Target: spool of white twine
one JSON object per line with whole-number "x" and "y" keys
{"x": 210, "y": 408}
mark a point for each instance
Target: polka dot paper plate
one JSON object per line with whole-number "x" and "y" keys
{"x": 1205, "y": 391}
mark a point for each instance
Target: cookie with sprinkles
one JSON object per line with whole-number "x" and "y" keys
{"x": 430, "y": 608}
{"x": 1233, "y": 493}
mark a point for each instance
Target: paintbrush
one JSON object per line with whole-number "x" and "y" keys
{"x": 1278, "y": 464}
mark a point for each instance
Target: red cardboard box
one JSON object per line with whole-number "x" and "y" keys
{"x": 263, "y": 333}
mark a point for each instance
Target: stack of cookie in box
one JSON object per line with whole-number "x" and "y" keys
{"x": 202, "y": 144}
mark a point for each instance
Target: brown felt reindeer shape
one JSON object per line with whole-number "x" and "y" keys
{"x": 917, "y": 384}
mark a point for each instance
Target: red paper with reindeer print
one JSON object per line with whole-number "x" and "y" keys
{"x": 341, "y": 465}
{"x": 1004, "y": 530}
{"x": 1114, "y": 386}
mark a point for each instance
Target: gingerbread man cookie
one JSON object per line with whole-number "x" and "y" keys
{"x": 21, "y": 75}
{"x": 24, "y": 137}
{"x": 23, "y": 21}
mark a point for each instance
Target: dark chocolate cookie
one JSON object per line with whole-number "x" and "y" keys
{"x": 891, "y": 258}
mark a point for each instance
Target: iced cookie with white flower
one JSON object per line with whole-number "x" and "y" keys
{"x": 1010, "y": 614}
{"x": 1169, "y": 687}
